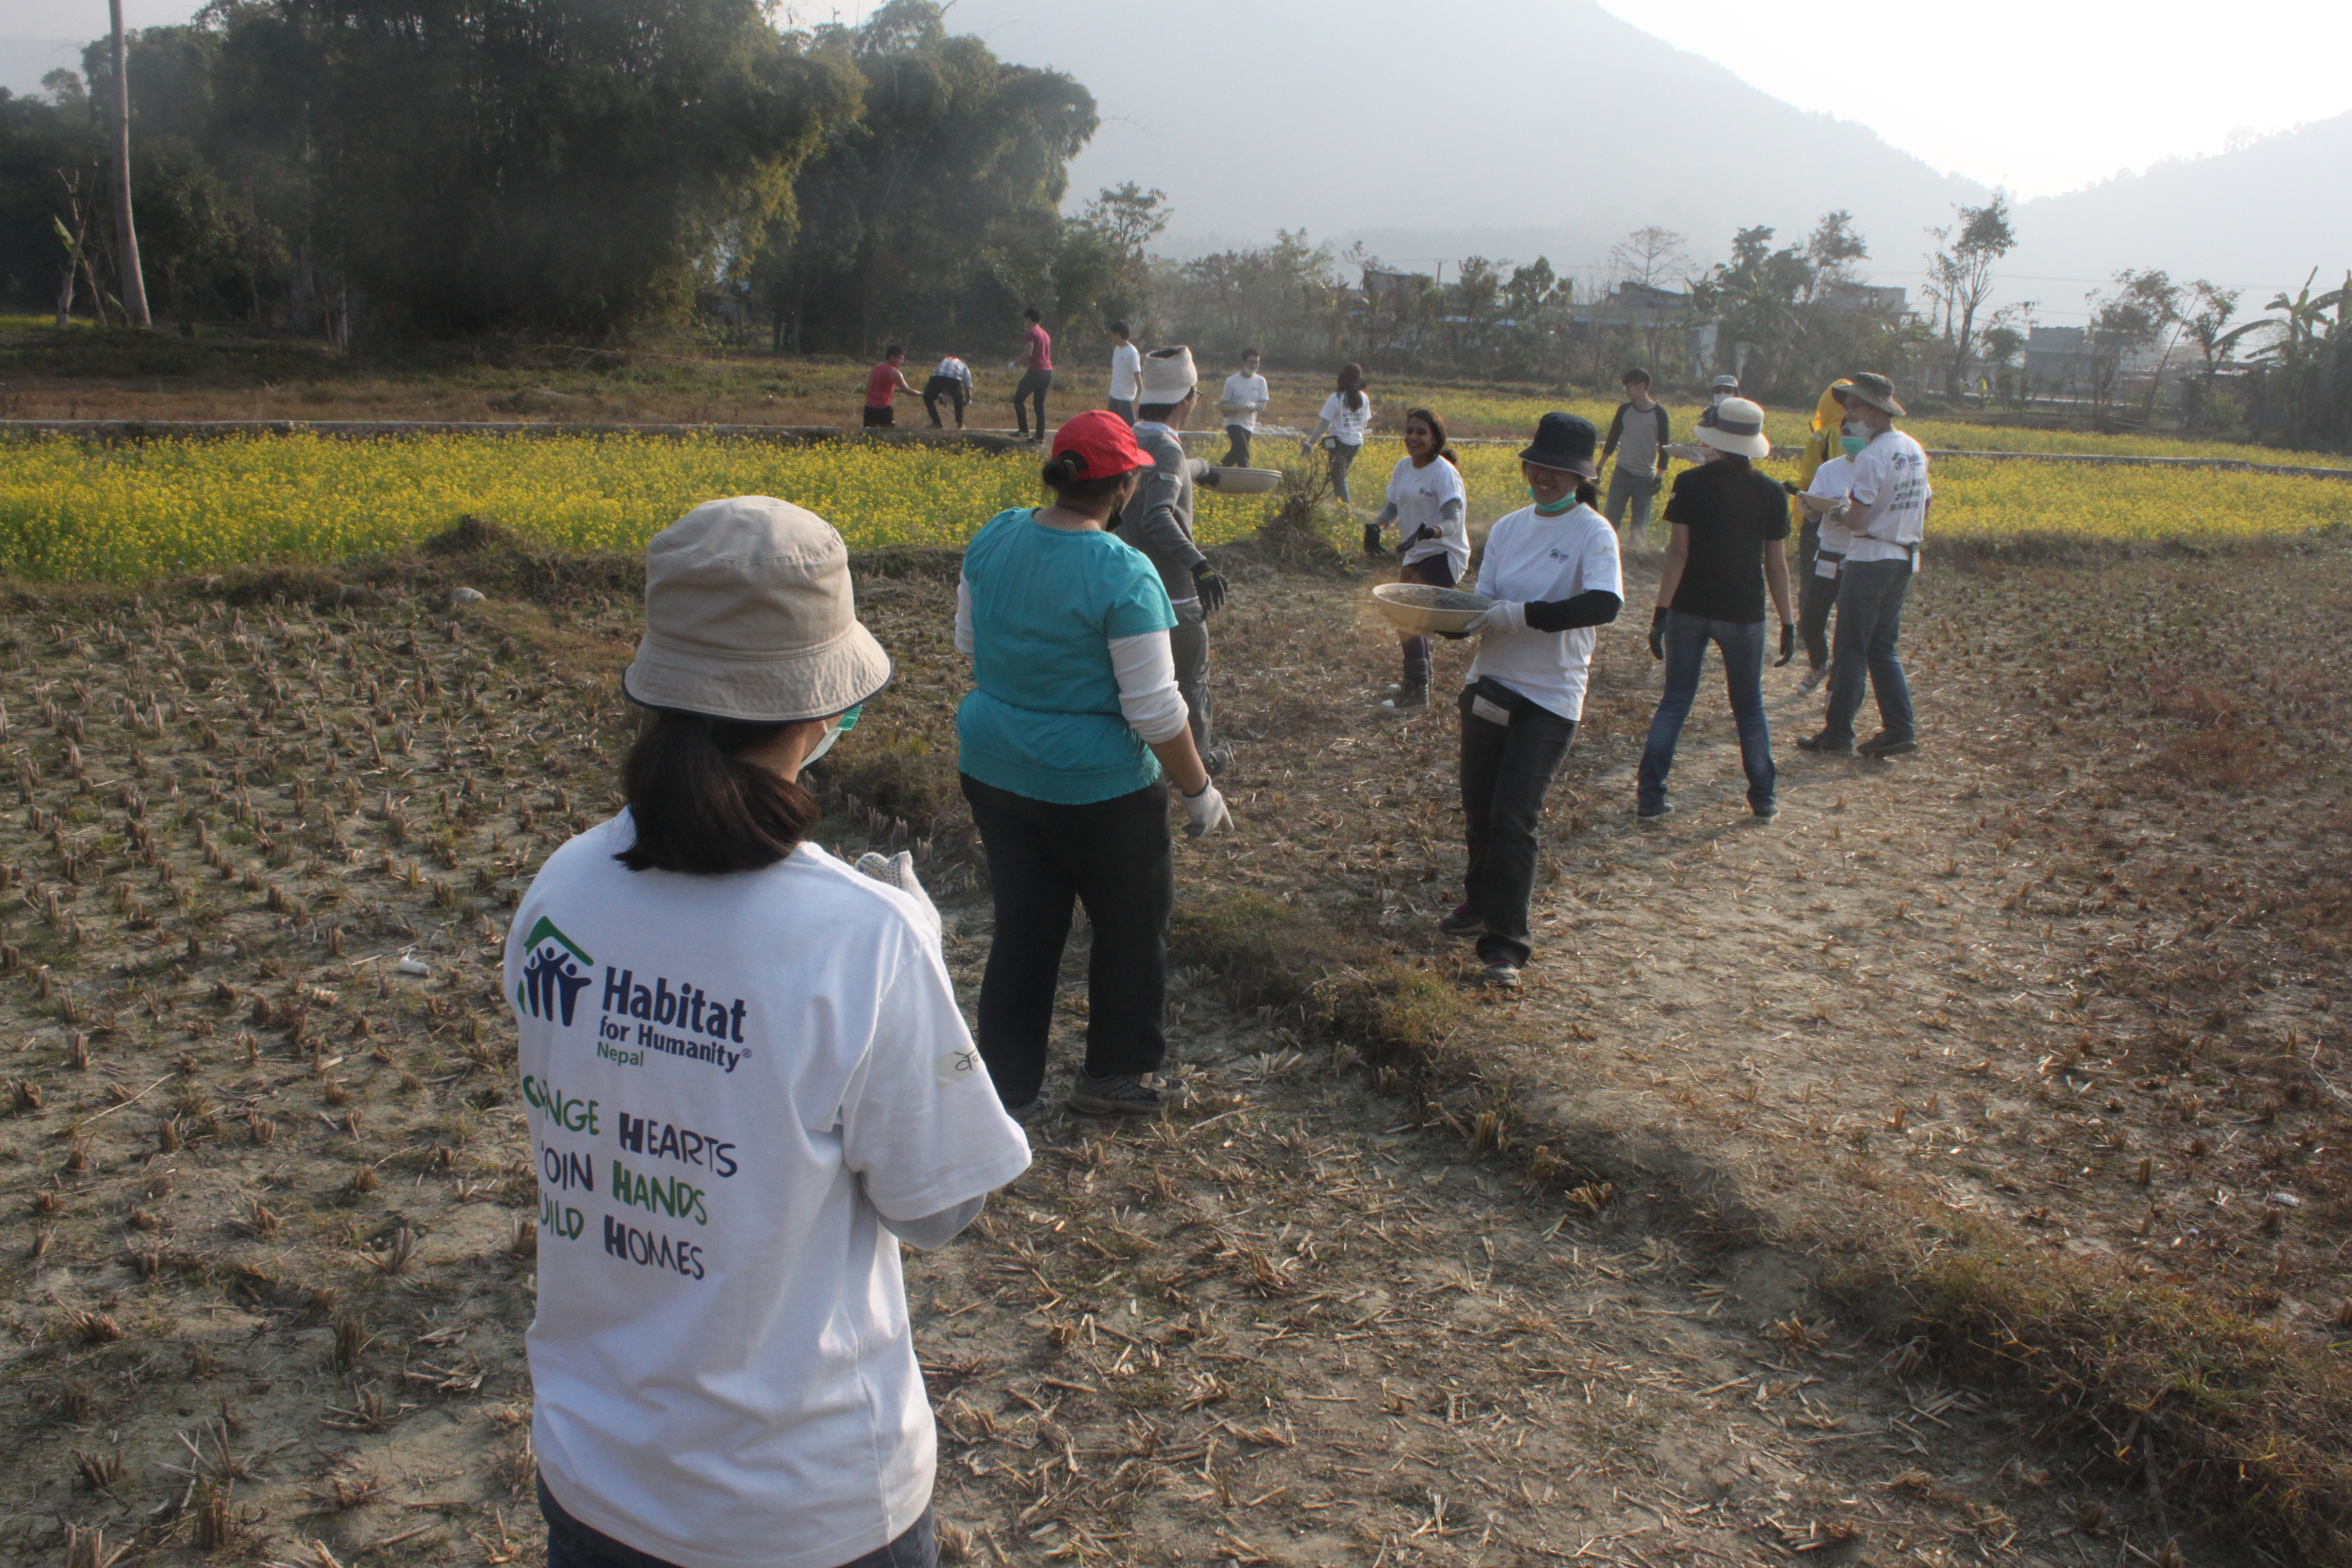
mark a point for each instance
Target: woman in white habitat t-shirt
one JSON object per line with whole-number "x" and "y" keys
{"x": 1552, "y": 570}
{"x": 1426, "y": 498}
{"x": 1347, "y": 416}
{"x": 746, "y": 1082}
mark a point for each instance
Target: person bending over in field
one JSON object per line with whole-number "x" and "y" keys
{"x": 950, "y": 379}
{"x": 1426, "y": 498}
{"x": 884, "y": 382}
{"x": 747, "y": 1083}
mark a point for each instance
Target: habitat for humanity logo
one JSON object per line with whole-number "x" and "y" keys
{"x": 551, "y": 981}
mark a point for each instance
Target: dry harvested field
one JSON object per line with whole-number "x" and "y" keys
{"x": 1831, "y": 1193}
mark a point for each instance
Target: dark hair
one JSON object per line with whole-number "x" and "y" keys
{"x": 1156, "y": 412}
{"x": 1065, "y": 476}
{"x": 1635, "y": 375}
{"x": 1437, "y": 427}
{"x": 1737, "y": 459}
{"x": 1032, "y": 314}
{"x": 1251, "y": 353}
{"x": 1587, "y": 492}
{"x": 1351, "y": 385}
{"x": 1120, "y": 328}
{"x": 698, "y": 807}
{"x": 894, "y": 351}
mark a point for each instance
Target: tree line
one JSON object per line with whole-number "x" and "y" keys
{"x": 584, "y": 168}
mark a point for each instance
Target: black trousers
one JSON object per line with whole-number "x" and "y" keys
{"x": 1816, "y": 597}
{"x": 1506, "y": 768}
{"x": 945, "y": 386}
{"x": 572, "y": 1544}
{"x": 1237, "y": 447}
{"x": 1035, "y": 384}
{"x": 880, "y": 417}
{"x": 1112, "y": 856}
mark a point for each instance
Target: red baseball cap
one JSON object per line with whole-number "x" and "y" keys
{"x": 1100, "y": 443}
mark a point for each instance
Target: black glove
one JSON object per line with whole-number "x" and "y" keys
{"x": 1418, "y": 535}
{"x": 1209, "y": 478}
{"x": 1372, "y": 540}
{"x": 1212, "y": 585}
{"x": 1658, "y": 633}
{"x": 1788, "y": 645}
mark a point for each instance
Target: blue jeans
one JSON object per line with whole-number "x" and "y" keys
{"x": 1506, "y": 770}
{"x": 1742, "y": 643}
{"x": 572, "y": 1544}
{"x": 1869, "y": 620}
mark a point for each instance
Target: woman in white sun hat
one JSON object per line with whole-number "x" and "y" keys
{"x": 747, "y": 1083}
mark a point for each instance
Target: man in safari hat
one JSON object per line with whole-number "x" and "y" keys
{"x": 1159, "y": 521}
{"x": 1887, "y": 513}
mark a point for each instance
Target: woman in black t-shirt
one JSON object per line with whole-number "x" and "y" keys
{"x": 1730, "y": 526}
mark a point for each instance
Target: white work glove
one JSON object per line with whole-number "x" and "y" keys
{"x": 898, "y": 871}
{"x": 1502, "y": 616}
{"x": 1205, "y": 812}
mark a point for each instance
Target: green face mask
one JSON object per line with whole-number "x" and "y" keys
{"x": 1854, "y": 444}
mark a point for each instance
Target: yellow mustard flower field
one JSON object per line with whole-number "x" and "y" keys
{"x": 71, "y": 509}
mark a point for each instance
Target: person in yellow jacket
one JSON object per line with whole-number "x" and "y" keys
{"x": 1816, "y": 594}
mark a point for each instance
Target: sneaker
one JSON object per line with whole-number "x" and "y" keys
{"x": 1813, "y": 680}
{"x": 1656, "y": 813}
{"x": 1766, "y": 812}
{"x": 1217, "y": 759}
{"x": 1885, "y": 745}
{"x": 1122, "y": 1094}
{"x": 1030, "y": 1114}
{"x": 1501, "y": 975}
{"x": 1407, "y": 701}
{"x": 1824, "y": 745}
{"x": 1463, "y": 921}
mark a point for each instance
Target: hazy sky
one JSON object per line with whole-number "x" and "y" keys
{"x": 2038, "y": 95}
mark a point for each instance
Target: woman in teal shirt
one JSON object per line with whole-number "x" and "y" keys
{"x": 1073, "y": 715}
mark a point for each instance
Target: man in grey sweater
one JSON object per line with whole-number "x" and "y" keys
{"x": 1159, "y": 521}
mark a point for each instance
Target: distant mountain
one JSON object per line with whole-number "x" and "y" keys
{"x": 1514, "y": 130}
{"x": 2258, "y": 219}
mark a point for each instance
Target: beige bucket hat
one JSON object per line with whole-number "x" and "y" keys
{"x": 1735, "y": 425}
{"x": 749, "y": 615}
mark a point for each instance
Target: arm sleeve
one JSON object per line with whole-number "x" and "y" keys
{"x": 936, "y": 1229}
{"x": 963, "y": 636}
{"x": 1156, "y": 531}
{"x": 1616, "y": 429}
{"x": 1148, "y": 695}
{"x": 1451, "y": 513}
{"x": 1665, "y": 430}
{"x": 1593, "y": 607}
{"x": 921, "y": 1127}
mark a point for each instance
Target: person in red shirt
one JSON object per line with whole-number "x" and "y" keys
{"x": 884, "y": 382}
{"x": 1036, "y": 367}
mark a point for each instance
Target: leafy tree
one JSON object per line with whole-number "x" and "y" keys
{"x": 932, "y": 211}
{"x": 1833, "y": 248}
{"x": 2126, "y": 318}
{"x": 1960, "y": 274}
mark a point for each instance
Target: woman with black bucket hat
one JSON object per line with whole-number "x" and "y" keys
{"x": 1551, "y": 569}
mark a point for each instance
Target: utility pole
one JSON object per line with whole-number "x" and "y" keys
{"x": 126, "y": 233}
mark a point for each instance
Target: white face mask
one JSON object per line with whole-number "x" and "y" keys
{"x": 833, "y": 732}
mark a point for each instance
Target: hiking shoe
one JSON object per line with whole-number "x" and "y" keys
{"x": 1500, "y": 975}
{"x": 1650, "y": 816}
{"x": 1885, "y": 745}
{"x": 1764, "y": 812}
{"x": 1029, "y": 1114}
{"x": 1813, "y": 680}
{"x": 1826, "y": 747}
{"x": 1408, "y": 700}
{"x": 1463, "y": 921}
{"x": 1122, "y": 1094}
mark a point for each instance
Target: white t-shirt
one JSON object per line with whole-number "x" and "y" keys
{"x": 730, "y": 1080}
{"x": 1126, "y": 372}
{"x": 1832, "y": 482}
{"x": 1419, "y": 496}
{"x": 1347, "y": 424}
{"x": 1531, "y": 559}
{"x": 1889, "y": 511}
{"x": 1243, "y": 387}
